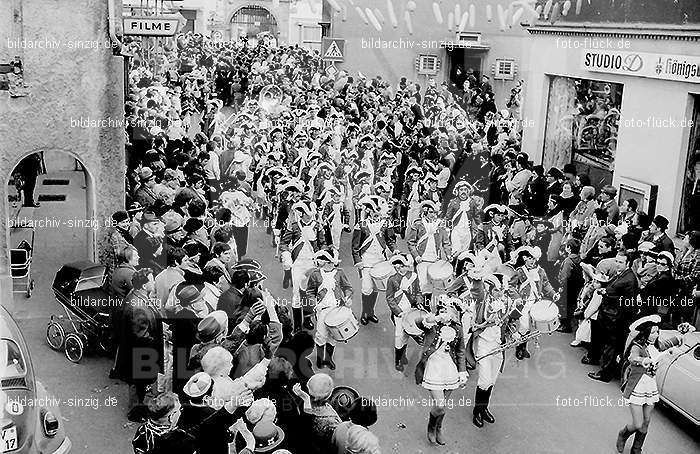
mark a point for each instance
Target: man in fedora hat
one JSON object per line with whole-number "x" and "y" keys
{"x": 145, "y": 194}
{"x": 402, "y": 294}
{"x": 657, "y": 235}
{"x": 149, "y": 242}
{"x": 428, "y": 242}
{"x": 327, "y": 288}
{"x": 608, "y": 202}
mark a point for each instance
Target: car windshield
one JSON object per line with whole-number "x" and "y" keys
{"x": 11, "y": 357}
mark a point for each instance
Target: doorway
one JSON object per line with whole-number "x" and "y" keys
{"x": 251, "y": 20}
{"x": 62, "y": 216}
{"x": 689, "y": 218}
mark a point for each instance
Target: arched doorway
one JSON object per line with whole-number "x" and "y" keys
{"x": 251, "y": 20}
{"x": 63, "y": 221}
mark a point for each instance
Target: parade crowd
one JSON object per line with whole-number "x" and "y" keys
{"x": 476, "y": 249}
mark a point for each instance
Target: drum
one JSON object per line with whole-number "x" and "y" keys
{"x": 410, "y": 319}
{"x": 544, "y": 315}
{"x": 341, "y": 323}
{"x": 441, "y": 274}
{"x": 380, "y": 273}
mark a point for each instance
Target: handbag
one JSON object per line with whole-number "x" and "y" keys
{"x": 583, "y": 333}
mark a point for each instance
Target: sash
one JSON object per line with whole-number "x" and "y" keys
{"x": 301, "y": 239}
{"x": 370, "y": 237}
{"x": 404, "y": 305}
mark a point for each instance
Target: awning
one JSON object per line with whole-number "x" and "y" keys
{"x": 464, "y": 45}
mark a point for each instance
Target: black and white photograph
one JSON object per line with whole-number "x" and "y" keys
{"x": 350, "y": 226}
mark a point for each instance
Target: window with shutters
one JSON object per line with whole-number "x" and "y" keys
{"x": 505, "y": 69}
{"x": 428, "y": 64}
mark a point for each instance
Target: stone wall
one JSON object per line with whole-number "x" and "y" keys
{"x": 72, "y": 73}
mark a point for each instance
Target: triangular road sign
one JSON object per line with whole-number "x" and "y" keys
{"x": 333, "y": 51}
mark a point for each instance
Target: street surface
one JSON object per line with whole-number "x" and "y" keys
{"x": 544, "y": 405}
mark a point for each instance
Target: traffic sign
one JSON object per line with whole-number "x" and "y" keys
{"x": 151, "y": 25}
{"x": 333, "y": 49}
{"x": 331, "y": 70}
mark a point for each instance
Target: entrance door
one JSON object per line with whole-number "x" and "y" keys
{"x": 462, "y": 63}
{"x": 251, "y": 20}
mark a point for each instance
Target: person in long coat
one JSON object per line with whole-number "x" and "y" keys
{"x": 140, "y": 353}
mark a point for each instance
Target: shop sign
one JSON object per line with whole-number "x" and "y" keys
{"x": 681, "y": 68}
{"x": 151, "y": 25}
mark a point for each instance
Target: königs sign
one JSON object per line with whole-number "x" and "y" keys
{"x": 681, "y": 68}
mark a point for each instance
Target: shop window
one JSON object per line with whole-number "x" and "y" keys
{"x": 582, "y": 126}
{"x": 689, "y": 218}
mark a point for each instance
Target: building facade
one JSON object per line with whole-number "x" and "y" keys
{"x": 488, "y": 44}
{"x": 70, "y": 72}
{"x": 289, "y": 21}
{"x": 620, "y": 98}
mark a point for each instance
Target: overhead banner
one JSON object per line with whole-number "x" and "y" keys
{"x": 681, "y": 68}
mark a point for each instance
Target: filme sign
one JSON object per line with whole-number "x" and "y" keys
{"x": 681, "y": 68}
{"x": 151, "y": 25}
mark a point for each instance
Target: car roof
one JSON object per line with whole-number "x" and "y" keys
{"x": 8, "y": 326}
{"x": 10, "y": 330}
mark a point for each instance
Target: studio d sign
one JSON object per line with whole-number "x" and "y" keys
{"x": 680, "y": 68}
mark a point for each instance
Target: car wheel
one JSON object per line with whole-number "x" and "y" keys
{"x": 55, "y": 335}
{"x": 74, "y": 348}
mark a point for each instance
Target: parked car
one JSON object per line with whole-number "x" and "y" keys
{"x": 678, "y": 376}
{"x": 31, "y": 420}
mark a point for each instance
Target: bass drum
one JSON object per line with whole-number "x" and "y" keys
{"x": 341, "y": 324}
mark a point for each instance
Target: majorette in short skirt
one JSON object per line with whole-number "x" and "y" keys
{"x": 645, "y": 392}
{"x": 440, "y": 371}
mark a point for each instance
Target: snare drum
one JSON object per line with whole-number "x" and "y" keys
{"x": 341, "y": 323}
{"x": 544, "y": 316}
{"x": 441, "y": 274}
{"x": 409, "y": 323}
{"x": 380, "y": 274}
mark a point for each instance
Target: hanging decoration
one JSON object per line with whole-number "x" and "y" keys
{"x": 380, "y": 16}
{"x": 579, "y": 5}
{"x": 565, "y": 9}
{"x": 501, "y": 17}
{"x": 411, "y": 6}
{"x": 489, "y": 13}
{"x": 472, "y": 15}
{"x": 458, "y": 11}
{"x": 450, "y": 21}
{"x": 517, "y": 15}
{"x": 409, "y": 24}
{"x": 373, "y": 19}
{"x": 437, "y": 13}
{"x": 392, "y": 13}
{"x": 547, "y": 9}
{"x": 345, "y": 13}
{"x": 556, "y": 13}
{"x": 463, "y": 22}
{"x": 334, "y": 4}
{"x": 362, "y": 15}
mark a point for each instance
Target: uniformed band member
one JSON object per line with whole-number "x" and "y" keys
{"x": 490, "y": 317}
{"x": 402, "y": 294}
{"x": 495, "y": 232}
{"x": 410, "y": 199}
{"x": 530, "y": 283}
{"x": 428, "y": 242}
{"x": 335, "y": 216}
{"x": 372, "y": 242}
{"x": 460, "y": 218}
{"x": 327, "y": 288}
{"x": 298, "y": 249}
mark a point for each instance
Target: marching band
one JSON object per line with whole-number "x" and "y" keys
{"x": 461, "y": 290}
